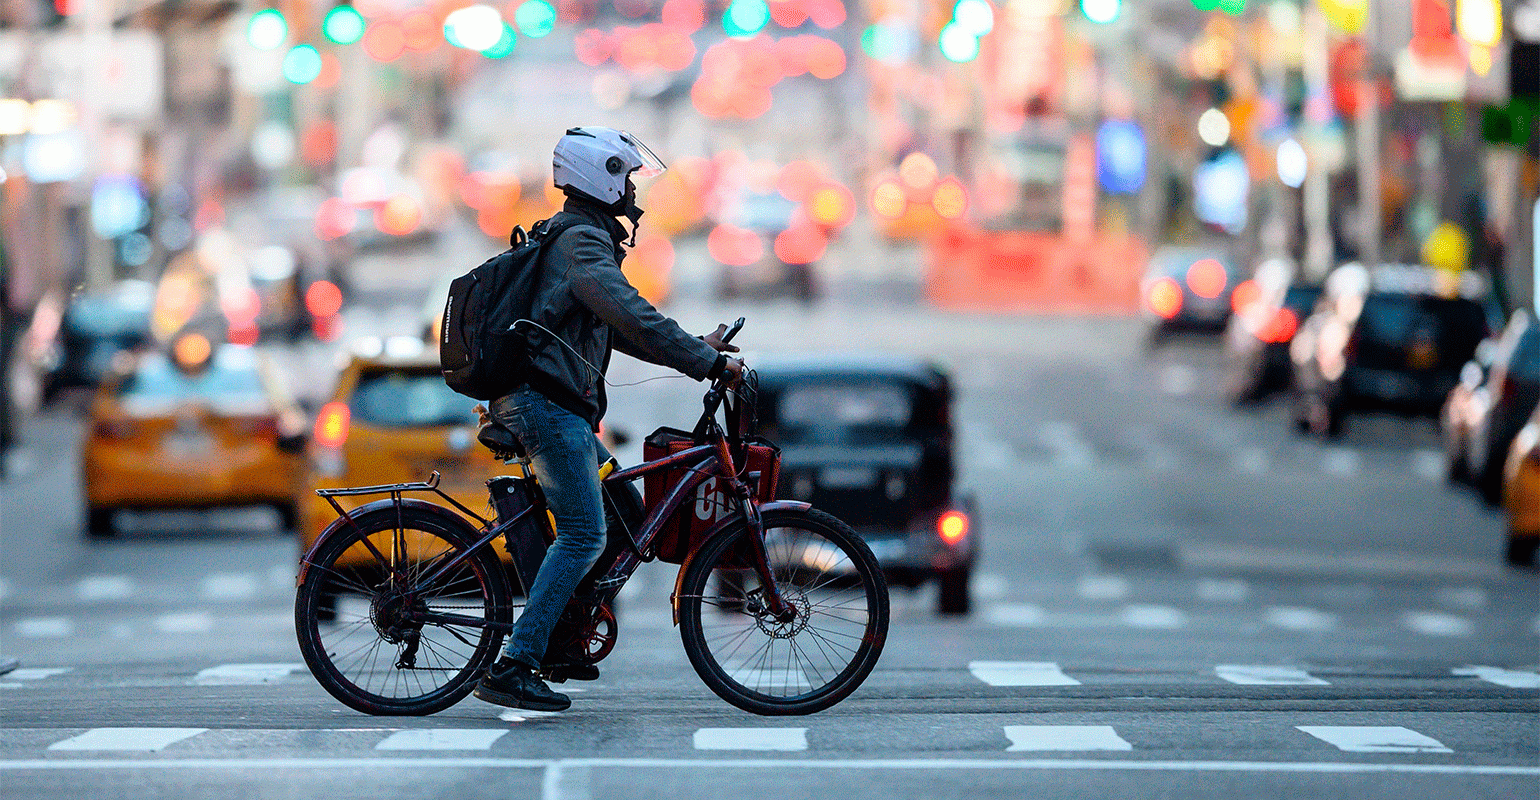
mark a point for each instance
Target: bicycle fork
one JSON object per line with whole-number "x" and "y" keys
{"x": 782, "y": 611}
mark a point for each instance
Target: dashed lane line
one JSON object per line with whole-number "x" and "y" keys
{"x": 1256, "y": 675}
{"x": 779, "y": 739}
{"x": 1295, "y": 618}
{"x": 1020, "y": 673}
{"x": 442, "y": 739}
{"x": 1153, "y": 616}
{"x": 104, "y": 588}
{"x": 1016, "y": 615}
{"x": 229, "y": 586}
{"x": 1034, "y": 738}
{"x": 239, "y": 674}
{"x": 185, "y": 622}
{"x": 1437, "y": 623}
{"x": 45, "y": 627}
{"x": 145, "y": 740}
{"x": 1511, "y": 678}
{"x": 1375, "y": 739}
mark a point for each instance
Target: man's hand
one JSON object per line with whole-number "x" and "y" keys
{"x": 715, "y": 340}
{"x": 734, "y": 366}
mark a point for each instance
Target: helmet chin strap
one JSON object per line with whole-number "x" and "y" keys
{"x": 635, "y": 215}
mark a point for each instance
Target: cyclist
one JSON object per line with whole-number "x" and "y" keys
{"x": 586, "y": 304}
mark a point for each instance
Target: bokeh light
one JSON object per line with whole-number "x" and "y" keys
{"x": 475, "y": 27}
{"x": 267, "y": 29}
{"x": 974, "y": 16}
{"x": 1165, "y": 298}
{"x": 1101, "y": 11}
{"x": 958, "y": 44}
{"x": 1206, "y": 278}
{"x": 801, "y": 243}
{"x": 950, "y": 199}
{"x": 505, "y": 44}
{"x": 399, "y": 216}
{"x": 323, "y": 299}
{"x": 918, "y": 171}
{"x": 302, "y": 64}
{"x": 343, "y": 25}
{"x": 734, "y": 246}
{"x": 384, "y": 41}
{"x": 745, "y": 18}
{"x": 535, "y": 18}
{"x": 889, "y": 200}
{"x": 1214, "y": 128}
{"x": 1293, "y": 164}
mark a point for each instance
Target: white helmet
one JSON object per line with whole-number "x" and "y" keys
{"x": 595, "y": 162}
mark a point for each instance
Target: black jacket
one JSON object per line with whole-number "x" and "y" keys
{"x": 583, "y": 298}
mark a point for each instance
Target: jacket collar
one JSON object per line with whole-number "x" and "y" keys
{"x": 598, "y": 215}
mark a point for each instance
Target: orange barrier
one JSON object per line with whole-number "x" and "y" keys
{"x": 1034, "y": 272}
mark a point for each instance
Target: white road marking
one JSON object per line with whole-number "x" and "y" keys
{"x": 770, "y": 678}
{"x": 1177, "y": 379}
{"x": 9, "y": 685}
{"x": 35, "y": 673}
{"x": 1248, "y": 675}
{"x": 1251, "y": 460}
{"x": 98, "y": 588}
{"x": 442, "y": 739}
{"x": 1102, "y": 587}
{"x": 1512, "y": 678}
{"x": 1341, "y": 461}
{"x": 137, "y": 739}
{"x": 876, "y": 764}
{"x": 230, "y": 586}
{"x": 1028, "y": 738}
{"x": 1223, "y": 591}
{"x": 185, "y": 622}
{"x": 522, "y": 715}
{"x": 1295, "y": 618}
{"x": 1020, "y": 673}
{"x": 1016, "y": 615}
{"x": 1471, "y": 598}
{"x": 990, "y": 586}
{"x": 1148, "y": 616}
{"x": 1428, "y": 464}
{"x": 783, "y": 739}
{"x": 45, "y": 627}
{"x": 1437, "y": 623}
{"x": 1374, "y": 739}
{"x": 236, "y": 674}
{"x": 1069, "y": 447}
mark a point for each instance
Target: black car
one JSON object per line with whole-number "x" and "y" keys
{"x": 1394, "y": 339}
{"x": 1188, "y": 288}
{"x": 97, "y": 327}
{"x": 868, "y": 438}
{"x": 1259, "y": 333}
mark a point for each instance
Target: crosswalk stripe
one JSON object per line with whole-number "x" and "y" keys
{"x": 1512, "y": 678}
{"x": 35, "y": 673}
{"x": 1249, "y": 675}
{"x": 45, "y": 627}
{"x": 229, "y": 586}
{"x": 1437, "y": 623}
{"x": 442, "y": 739}
{"x": 235, "y": 674}
{"x": 185, "y": 622}
{"x": 784, "y": 739}
{"x": 1102, "y": 587}
{"x": 1014, "y": 614}
{"x": 1029, "y": 738}
{"x": 1149, "y": 616}
{"x": 1020, "y": 673}
{"x": 1375, "y": 739}
{"x": 1295, "y": 618}
{"x": 97, "y": 588}
{"x": 138, "y": 739}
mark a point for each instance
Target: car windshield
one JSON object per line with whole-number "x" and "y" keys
{"x": 403, "y": 400}
{"x": 1394, "y": 318}
{"x": 230, "y": 384}
{"x": 831, "y": 411}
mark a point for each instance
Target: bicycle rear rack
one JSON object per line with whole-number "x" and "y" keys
{"x": 395, "y": 490}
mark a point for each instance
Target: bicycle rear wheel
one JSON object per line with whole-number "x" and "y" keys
{"x": 799, "y": 665}
{"x": 353, "y": 618}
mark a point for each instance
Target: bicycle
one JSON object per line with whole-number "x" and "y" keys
{"x": 402, "y": 603}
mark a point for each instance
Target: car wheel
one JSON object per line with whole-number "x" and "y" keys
{"x": 1489, "y": 483}
{"x": 1521, "y": 549}
{"x": 99, "y": 523}
{"x": 955, "y": 596}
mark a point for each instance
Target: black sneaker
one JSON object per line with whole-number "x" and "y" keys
{"x": 561, "y": 673}
{"x": 509, "y": 683}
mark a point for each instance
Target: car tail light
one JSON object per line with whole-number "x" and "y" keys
{"x": 1282, "y": 327}
{"x": 115, "y": 429}
{"x": 1244, "y": 294}
{"x": 1165, "y": 298}
{"x": 1206, "y": 278}
{"x": 331, "y": 425}
{"x": 952, "y": 526}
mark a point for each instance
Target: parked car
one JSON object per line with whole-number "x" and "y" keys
{"x": 869, "y": 439}
{"x": 1260, "y": 329}
{"x": 1512, "y": 389}
{"x": 1394, "y": 338}
{"x": 1521, "y": 493}
{"x": 781, "y": 268}
{"x": 95, "y": 328}
{"x": 1188, "y": 288}
{"x": 196, "y": 428}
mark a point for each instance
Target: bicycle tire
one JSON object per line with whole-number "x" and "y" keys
{"x": 850, "y": 651}
{"x": 335, "y": 577}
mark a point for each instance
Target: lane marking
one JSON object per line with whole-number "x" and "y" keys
{"x": 990, "y": 586}
{"x": 239, "y": 674}
{"x": 1019, "y": 615}
{"x": 779, "y": 764}
{"x": 523, "y": 715}
{"x": 1223, "y": 591}
{"x": 35, "y": 673}
{"x": 1437, "y": 623}
{"x": 1256, "y": 675}
{"x": 1470, "y": 598}
{"x": 1028, "y": 738}
{"x": 1512, "y": 678}
{"x": 442, "y": 739}
{"x": 783, "y": 678}
{"x": 1428, "y": 464}
{"x": 1102, "y": 587}
{"x": 1374, "y": 739}
{"x": 1020, "y": 673}
{"x": 230, "y": 586}
{"x": 145, "y": 740}
{"x": 45, "y": 627}
{"x": 1341, "y": 461}
{"x": 1296, "y": 618}
{"x": 185, "y": 622}
{"x": 1149, "y": 616}
{"x": 100, "y": 588}
{"x": 782, "y": 739}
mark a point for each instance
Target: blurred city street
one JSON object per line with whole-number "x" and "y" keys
{"x": 1177, "y": 361}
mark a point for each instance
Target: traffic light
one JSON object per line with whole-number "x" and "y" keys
{"x": 343, "y": 25}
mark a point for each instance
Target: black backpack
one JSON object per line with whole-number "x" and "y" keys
{"x": 481, "y": 353}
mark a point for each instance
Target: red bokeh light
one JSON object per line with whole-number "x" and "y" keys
{"x": 788, "y": 13}
{"x": 1245, "y": 293}
{"x": 421, "y": 32}
{"x": 384, "y": 41}
{"x": 399, "y": 216}
{"x": 241, "y": 307}
{"x": 1165, "y": 298}
{"x": 592, "y": 47}
{"x": 245, "y": 335}
{"x": 323, "y": 299}
{"x": 802, "y": 243}
{"x": 331, "y": 425}
{"x": 1206, "y": 278}
{"x": 952, "y": 526}
{"x": 684, "y": 15}
{"x": 826, "y": 14}
{"x": 734, "y": 246}
{"x": 1281, "y": 328}
{"x": 825, "y": 59}
{"x": 831, "y": 205}
{"x": 318, "y": 146}
{"x": 334, "y": 219}
{"x": 798, "y": 179}
{"x": 331, "y": 72}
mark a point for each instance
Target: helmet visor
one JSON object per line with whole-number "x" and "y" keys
{"x": 651, "y": 164}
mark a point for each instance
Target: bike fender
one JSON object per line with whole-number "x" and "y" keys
{"x": 450, "y": 518}
{"x": 764, "y": 508}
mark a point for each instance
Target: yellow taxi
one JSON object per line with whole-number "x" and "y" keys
{"x": 1521, "y": 493}
{"x": 394, "y": 420}
{"x": 198, "y": 427}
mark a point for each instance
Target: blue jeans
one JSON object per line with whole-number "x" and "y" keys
{"x": 564, "y": 454}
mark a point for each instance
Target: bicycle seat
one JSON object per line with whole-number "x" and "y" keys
{"x": 501, "y": 441}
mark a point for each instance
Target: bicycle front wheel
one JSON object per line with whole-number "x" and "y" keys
{"x": 357, "y": 614}
{"x": 802, "y": 663}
